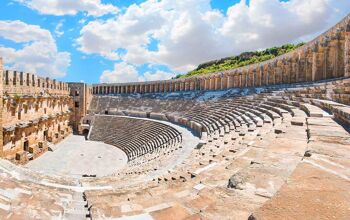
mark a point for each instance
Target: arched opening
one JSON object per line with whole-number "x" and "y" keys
{"x": 86, "y": 133}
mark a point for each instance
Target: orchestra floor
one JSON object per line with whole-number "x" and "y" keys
{"x": 75, "y": 157}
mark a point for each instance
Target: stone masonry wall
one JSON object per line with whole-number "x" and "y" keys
{"x": 326, "y": 57}
{"x": 81, "y": 94}
{"x": 36, "y": 113}
{"x": 19, "y": 83}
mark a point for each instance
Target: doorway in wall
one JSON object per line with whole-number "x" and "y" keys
{"x": 46, "y": 135}
{"x": 26, "y": 145}
{"x": 86, "y": 133}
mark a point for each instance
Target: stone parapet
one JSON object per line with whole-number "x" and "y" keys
{"x": 325, "y": 57}
{"x": 19, "y": 83}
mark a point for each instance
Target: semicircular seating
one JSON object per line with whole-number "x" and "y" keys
{"x": 135, "y": 137}
{"x": 261, "y": 152}
{"x": 262, "y": 155}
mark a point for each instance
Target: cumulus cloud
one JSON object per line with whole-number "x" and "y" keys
{"x": 38, "y": 52}
{"x": 70, "y": 7}
{"x": 124, "y": 72}
{"x": 189, "y": 32}
{"x": 131, "y": 30}
{"x": 158, "y": 75}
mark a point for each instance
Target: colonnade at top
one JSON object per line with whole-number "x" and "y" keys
{"x": 326, "y": 57}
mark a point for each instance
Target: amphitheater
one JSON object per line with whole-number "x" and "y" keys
{"x": 265, "y": 141}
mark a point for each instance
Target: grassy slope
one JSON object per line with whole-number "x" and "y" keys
{"x": 241, "y": 60}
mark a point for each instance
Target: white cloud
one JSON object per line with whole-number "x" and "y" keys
{"x": 122, "y": 72}
{"x": 129, "y": 30}
{"x": 82, "y": 21}
{"x": 58, "y": 29}
{"x": 39, "y": 52}
{"x": 158, "y": 75}
{"x": 70, "y": 7}
{"x": 190, "y": 31}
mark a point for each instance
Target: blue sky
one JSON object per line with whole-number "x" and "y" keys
{"x": 120, "y": 40}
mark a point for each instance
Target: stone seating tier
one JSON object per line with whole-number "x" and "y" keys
{"x": 134, "y": 136}
{"x": 255, "y": 145}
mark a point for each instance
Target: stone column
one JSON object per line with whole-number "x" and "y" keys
{"x": 224, "y": 81}
{"x": 266, "y": 76}
{"x": 259, "y": 75}
{"x": 240, "y": 80}
{"x": 278, "y": 72}
{"x": 308, "y": 65}
{"x": 205, "y": 81}
{"x": 294, "y": 68}
{"x": 252, "y": 77}
{"x": 211, "y": 83}
{"x": 217, "y": 84}
{"x": 287, "y": 71}
{"x": 229, "y": 81}
{"x": 347, "y": 55}
{"x": 317, "y": 63}
{"x": 235, "y": 80}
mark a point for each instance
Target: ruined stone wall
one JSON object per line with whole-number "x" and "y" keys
{"x": 30, "y": 123}
{"x": 1, "y": 104}
{"x": 19, "y": 83}
{"x": 35, "y": 113}
{"x": 326, "y": 57}
{"x": 82, "y": 95}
